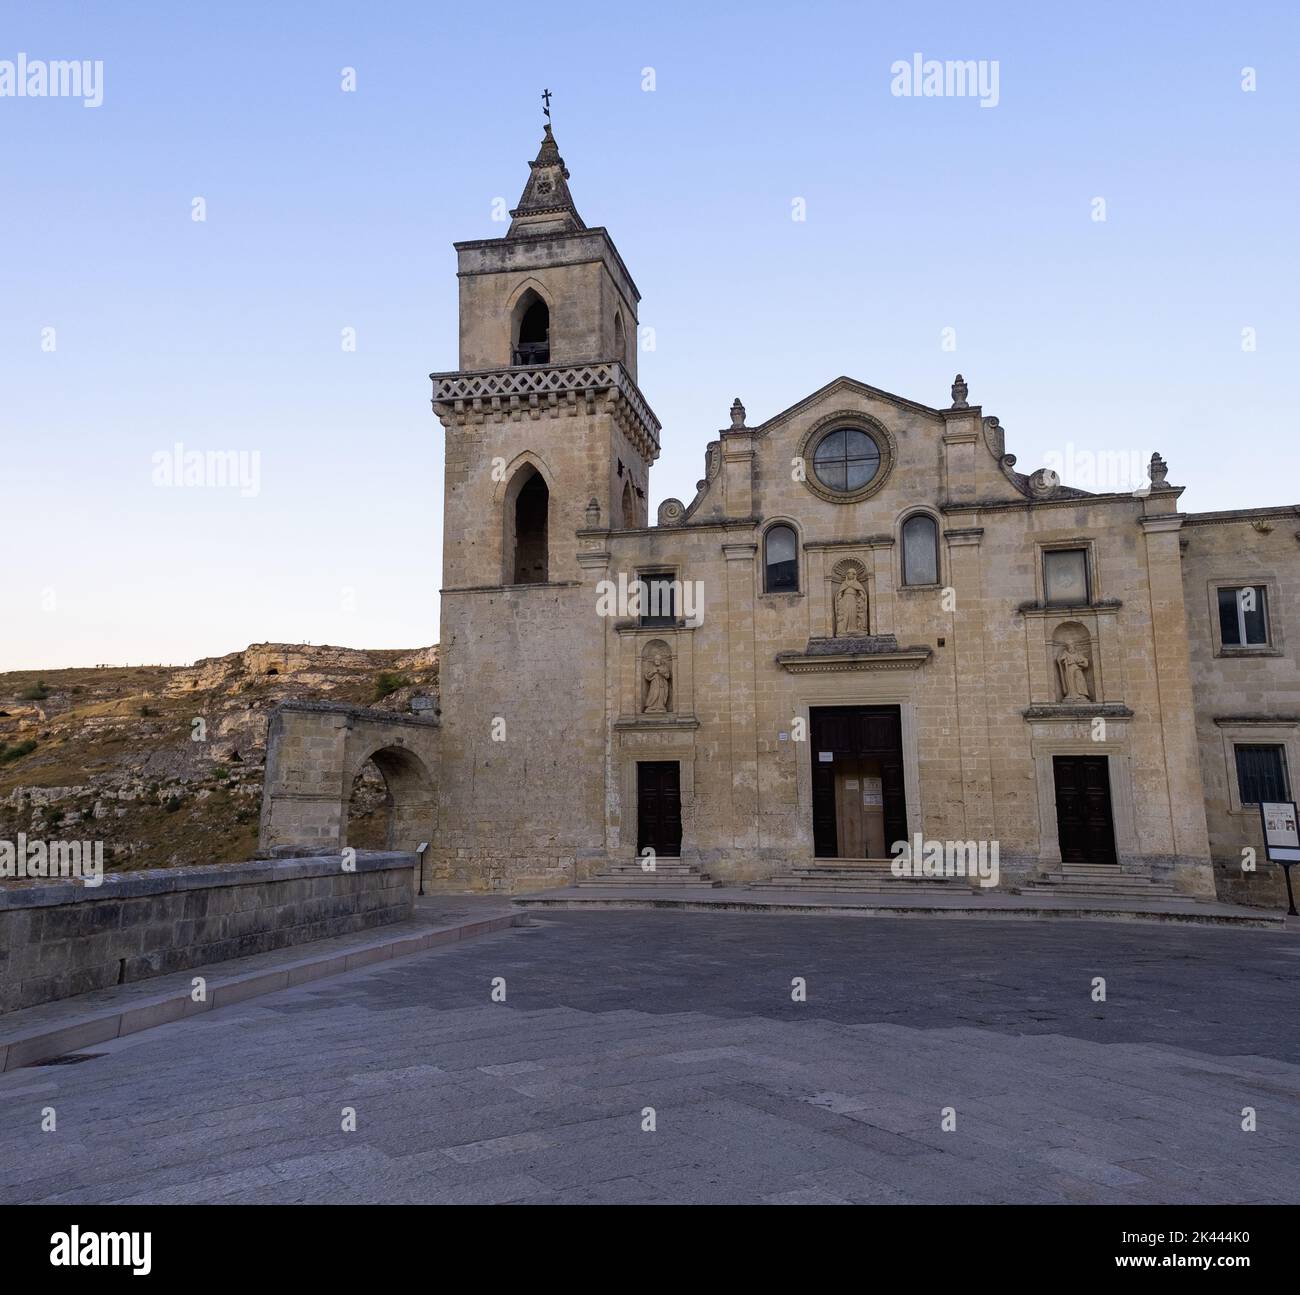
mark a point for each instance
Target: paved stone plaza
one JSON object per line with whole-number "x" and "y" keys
{"x": 756, "y": 1097}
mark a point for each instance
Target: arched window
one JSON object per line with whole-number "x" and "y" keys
{"x": 629, "y": 507}
{"x": 620, "y": 340}
{"x": 527, "y": 505}
{"x": 781, "y": 561}
{"x": 533, "y": 339}
{"x": 920, "y": 550}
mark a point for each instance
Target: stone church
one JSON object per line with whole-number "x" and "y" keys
{"x": 867, "y": 627}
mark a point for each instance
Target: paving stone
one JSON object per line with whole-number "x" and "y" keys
{"x": 757, "y": 1099}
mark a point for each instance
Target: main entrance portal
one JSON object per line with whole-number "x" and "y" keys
{"x": 859, "y": 805}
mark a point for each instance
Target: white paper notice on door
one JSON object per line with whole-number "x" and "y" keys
{"x": 873, "y": 793}
{"x": 826, "y": 757}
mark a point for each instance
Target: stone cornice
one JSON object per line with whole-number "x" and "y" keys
{"x": 470, "y": 396}
{"x": 343, "y": 710}
{"x": 1075, "y": 711}
{"x": 638, "y": 723}
{"x": 796, "y": 663}
{"x": 1283, "y": 512}
{"x": 1104, "y": 606}
{"x": 510, "y": 589}
{"x": 831, "y": 656}
{"x": 679, "y": 626}
{"x": 862, "y": 542}
{"x": 1161, "y": 523}
{"x": 1231, "y": 721}
{"x": 1061, "y": 501}
{"x": 495, "y": 246}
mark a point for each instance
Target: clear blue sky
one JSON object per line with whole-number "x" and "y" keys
{"x": 328, "y": 210}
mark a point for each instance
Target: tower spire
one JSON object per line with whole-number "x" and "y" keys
{"x": 546, "y": 205}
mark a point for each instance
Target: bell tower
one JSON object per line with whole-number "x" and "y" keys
{"x": 547, "y": 435}
{"x": 546, "y": 388}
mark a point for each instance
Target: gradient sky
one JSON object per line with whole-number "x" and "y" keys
{"x": 329, "y": 210}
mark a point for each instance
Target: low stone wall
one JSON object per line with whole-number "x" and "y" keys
{"x": 64, "y": 938}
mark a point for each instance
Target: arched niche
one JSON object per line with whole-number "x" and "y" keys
{"x": 658, "y": 679}
{"x": 1072, "y": 663}
{"x": 850, "y": 600}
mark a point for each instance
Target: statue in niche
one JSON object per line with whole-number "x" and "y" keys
{"x": 850, "y": 607}
{"x": 657, "y": 672}
{"x": 1072, "y": 667}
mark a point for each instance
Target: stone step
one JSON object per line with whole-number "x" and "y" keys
{"x": 1102, "y": 879}
{"x": 661, "y": 869}
{"x": 879, "y": 887}
{"x": 632, "y": 876}
{"x": 1110, "y": 892}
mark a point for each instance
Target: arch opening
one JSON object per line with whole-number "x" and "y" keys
{"x": 920, "y": 550}
{"x": 391, "y": 806}
{"x": 527, "y": 515}
{"x": 781, "y": 560}
{"x": 532, "y": 341}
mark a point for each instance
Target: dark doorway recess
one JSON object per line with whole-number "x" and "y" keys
{"x": 659, "y": 807}
{"x": 859, "y": 805}
{"x": 1083, "y": 814}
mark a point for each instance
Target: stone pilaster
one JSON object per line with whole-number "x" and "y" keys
{"x": 741, "y": 693}
{"x": 969, "y": 674}
{"x": 1189, "y": 842}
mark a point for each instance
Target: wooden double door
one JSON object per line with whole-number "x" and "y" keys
{"x": 659, "y": 807}
{"x": 859, "y": 804}
{"x": 1083, "y": 812}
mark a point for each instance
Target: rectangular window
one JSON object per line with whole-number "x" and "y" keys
{"x": 1261, "y": 774}
{"x": 1065, "y": 577}
{"x": 1243, "y": 617}
{"x": 659, "y": 598}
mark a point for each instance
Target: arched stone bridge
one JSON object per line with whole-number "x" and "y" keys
{"x": 314, "y": 750}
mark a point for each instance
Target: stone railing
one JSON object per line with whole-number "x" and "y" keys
{"x": 65, "y": 938}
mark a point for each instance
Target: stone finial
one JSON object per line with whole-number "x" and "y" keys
{"x": 737, "y": 414}
{"x": 959, "y": 393}
{"x": 593, "y": 514}
{"x": 1158, "y": 471}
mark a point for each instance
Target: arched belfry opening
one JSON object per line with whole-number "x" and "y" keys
{"x": 629, "y": 506}
{"x": 532, "y": 331}
{"x": 620, "y": 340}
{"x": 527, "y": 514}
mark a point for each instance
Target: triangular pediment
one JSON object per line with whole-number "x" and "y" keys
{"x": 840, "y": 387}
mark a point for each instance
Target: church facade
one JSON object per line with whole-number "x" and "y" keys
{"x": 866, "y": 627}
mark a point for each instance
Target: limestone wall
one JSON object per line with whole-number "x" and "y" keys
{"x": 1243, "y": 695}
{"x": 62, "y": 939}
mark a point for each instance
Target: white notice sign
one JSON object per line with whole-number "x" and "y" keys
{"x": 1281, "y": 831}
{"x": 826, "y": 757}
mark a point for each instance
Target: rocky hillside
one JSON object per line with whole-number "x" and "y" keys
{"x": 164, "y": 764}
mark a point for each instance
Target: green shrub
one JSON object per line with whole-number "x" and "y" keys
{"x": 37, "y": 692}
{"x": 8, "y": 754}
{"x": 387, "y": 682}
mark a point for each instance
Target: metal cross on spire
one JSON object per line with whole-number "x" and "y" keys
{"x": 546, "y": 104}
